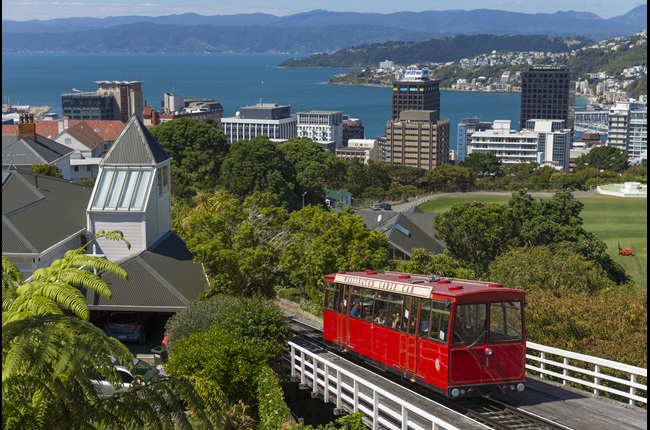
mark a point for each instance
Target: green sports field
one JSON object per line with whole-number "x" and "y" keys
{"x": 616, "y": 220}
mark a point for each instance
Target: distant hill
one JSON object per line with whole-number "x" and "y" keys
{"x": 439, "y": 50}
{"x": 310, "y": 32}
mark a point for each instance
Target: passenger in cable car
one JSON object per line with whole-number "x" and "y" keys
{"x": 354, "y": 312}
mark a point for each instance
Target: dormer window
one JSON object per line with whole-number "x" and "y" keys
{"x": 163, "y": 180}
{"x": 122, "y": 188}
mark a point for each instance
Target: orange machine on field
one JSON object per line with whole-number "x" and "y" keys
{"x": 625, "y": 251}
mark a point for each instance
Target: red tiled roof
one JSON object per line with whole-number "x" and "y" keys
{"x": 108, "y": 130}
{"x": 84, "y": 133}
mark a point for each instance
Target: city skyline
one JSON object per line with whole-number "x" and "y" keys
{"x": 47, "y": 9}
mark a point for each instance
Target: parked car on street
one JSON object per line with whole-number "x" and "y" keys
{"x": 140, "y": 368}
{"x": 386, "y": 206}
{"x": 127, "y": 326}
{"x": 375, "y": 207}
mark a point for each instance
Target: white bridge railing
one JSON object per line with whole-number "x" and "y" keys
{"x": 383, "y": 409}
{"x": 607, "y": 376}
{"x": 351, "y": 393}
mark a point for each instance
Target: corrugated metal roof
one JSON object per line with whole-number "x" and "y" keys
{"x": 418, "y": 224}
{"x": 135, "y": 146}
{"x": 40, "y": 211}
{"x": 163, "y": 279}
{"x": 28, "y": 151}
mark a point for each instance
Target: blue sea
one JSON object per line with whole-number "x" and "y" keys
{"x": 234, "y": 80}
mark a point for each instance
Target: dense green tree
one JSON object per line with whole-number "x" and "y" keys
{"x": 47, "y": 169}
{"x": 483, "y": 163}
{"x": 542, "y": 268}
{"x": 315, "y": 168}
{"x": 603, "y": 158}
{"x": 197, "y": 149}
{"x": 424, "y": 262}
{"x": 259, "y": 165}
{"x": 449, "y": 174}
{"x": 405, "y": 175}
{"x": 363, "y": 179}
{"x": 238, "y": 243}
{"x": 476, "y": 233}
{"x": 325, "y": 242}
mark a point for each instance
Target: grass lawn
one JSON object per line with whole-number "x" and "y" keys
{"x": 616, "y": 220}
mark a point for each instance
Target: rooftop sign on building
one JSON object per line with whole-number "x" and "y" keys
{"x": 414, "y": 75}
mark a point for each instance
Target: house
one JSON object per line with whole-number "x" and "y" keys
{"x": 404, "y": 231}
{"x": 43, "y": 217}
{"x": 26, "y": 148}
{"x": 337, "y": 199}
{"x": 88, "y": 141}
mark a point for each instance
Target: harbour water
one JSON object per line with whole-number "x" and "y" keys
{"x": 234, "y": 80}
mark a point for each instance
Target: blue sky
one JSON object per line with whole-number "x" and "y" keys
{"x": 22, "y": 10}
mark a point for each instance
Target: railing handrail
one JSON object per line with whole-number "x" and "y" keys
{"x": 592, "y": 378}
{"x": 328, "y": 366}
{"x": 640, "y": 371}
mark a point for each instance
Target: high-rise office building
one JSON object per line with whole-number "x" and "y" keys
{"x": 417, "y": 139}
{"x": 113, "y": 100}
{"x": 416, "y": 91}
{"x": 547, "y": 92}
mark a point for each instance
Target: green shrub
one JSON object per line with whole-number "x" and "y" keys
{"x": 259, "y": 321}
{"x": 273, "y": 411}
{"x": 223, "y": 358}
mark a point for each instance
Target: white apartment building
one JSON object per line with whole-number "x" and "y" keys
{"x": 264, "y": 119}
{"x": 619, "y": 125}
{"x": 638, "y": 141}
{"x": 545, "y": 143}
{"x": 366, "y": 149}
{"x": 321, "y": 126}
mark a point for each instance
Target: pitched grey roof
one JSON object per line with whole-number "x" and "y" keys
{"x": 163, "y": 279}
{"x": 405, "y": 230}
{"x": 40, "y": 211}
{"x": 135, "y": 146}
{"x": 27, "y": 151}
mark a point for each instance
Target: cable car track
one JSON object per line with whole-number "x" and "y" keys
{"x": 485, "y": 410}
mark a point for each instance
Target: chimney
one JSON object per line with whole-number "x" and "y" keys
{"x": 26, "y": 127}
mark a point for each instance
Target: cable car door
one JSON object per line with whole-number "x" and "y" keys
{"x": 342, "y": 315}
{"x": 408, "y": 340}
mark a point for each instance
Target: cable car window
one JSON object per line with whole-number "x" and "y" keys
{"x": 425, "y": 315}
{"x": 357, "y": 300}
{"x": 470, "y": 324}
{"x": 380, "y": 315}
{"x": 395, "y": 310}
{"x": 367, "y": 303}
{"x": 331, "y": 293}
{"x": 410, "y": 314}
{"x": 506, "y": 322}
{"x": 439, "y": 322}
{"x": 363, "y": 297}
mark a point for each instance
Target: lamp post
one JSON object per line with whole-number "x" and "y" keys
{"x": 303, "y": 198}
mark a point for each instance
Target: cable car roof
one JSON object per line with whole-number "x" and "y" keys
{"x": 415, "y": 285}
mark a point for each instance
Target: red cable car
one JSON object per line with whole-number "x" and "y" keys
{"x": 458, "y": 337}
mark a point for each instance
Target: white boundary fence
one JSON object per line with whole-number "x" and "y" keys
{"x": 382, "y": 409}
{"x": 554, "y": 363}
{"x": 351, "y": 393}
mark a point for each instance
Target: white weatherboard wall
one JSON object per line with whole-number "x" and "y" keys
{"x": 131, "y": 224}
